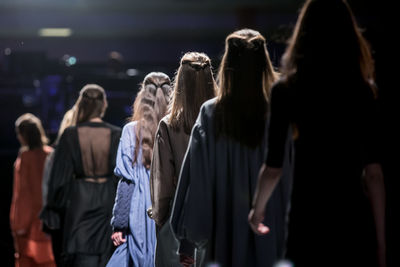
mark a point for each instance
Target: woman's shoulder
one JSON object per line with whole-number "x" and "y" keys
{"x": 112, "y": 127}
{"x": 33, "y": 153}
{"x": 128, "y": 131}
{"x": 165, "y": 122}
{"x": 129, "y": 126}
{"x": 207, "y": 111}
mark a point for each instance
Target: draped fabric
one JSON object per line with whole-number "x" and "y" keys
{"x": 139, "y": 249}
{"x": 214, "y": 196}
{"x": 34, "y": 247}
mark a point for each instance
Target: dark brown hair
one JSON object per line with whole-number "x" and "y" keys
{"x": 326, "y": 40}
{"x": 245, "y": 77}
{"x": 31, "y": 130}
{"x": 193, "y": 85}
{"x": 92, "y": 103}
{"x": 149, "y": 108}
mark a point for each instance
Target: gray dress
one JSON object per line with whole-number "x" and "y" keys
{"x": 214, "y": 197}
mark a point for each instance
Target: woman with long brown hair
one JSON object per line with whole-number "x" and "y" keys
{"x": 82, "y": 185}
{"x": 327, "y": 93}
{"x": 134, "y": 231}
{"x": 225, "y": 151}
{"x": 193, "y": 85}
{"x": 32, "y": 246}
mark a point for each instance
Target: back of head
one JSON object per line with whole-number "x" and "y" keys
{"x": 92, "y": 103}
{"x": 327, "y": 43}
{"x": 31, "y": 130}
{"x": 194, "y": 84}
{"x": 245, "y": 77}
{"x": 149, "y": 108}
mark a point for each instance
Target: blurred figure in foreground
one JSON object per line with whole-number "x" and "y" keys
{"x": 327, "y": 93}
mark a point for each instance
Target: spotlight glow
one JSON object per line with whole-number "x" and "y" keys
{"x": 55, "y": 32}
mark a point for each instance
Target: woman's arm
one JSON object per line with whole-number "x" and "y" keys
{"x": 271, "y": 171}
{"x": 120, "y": 219}
{"x": 376, "y": 193}
{"x": 162, "y": 174}
{"x": 21, "y": 215}
{"x": 125, "y": 170}
{"x": 267, "y": 180}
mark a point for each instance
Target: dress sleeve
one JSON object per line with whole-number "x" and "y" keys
{"x": 193, "y": 210}
{"x": 61, "y": 176}
{"x": 370, "y": 129}
{"x": 46, "y": 176}
{"x": 124, "y": 169}
{"x": 120, "y": 219}
{"x": 162, "y": 176}
{"x": 21, "y": 213}
{"x": 278, "y": 127}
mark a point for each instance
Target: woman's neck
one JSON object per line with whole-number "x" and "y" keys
{"x": 96, "y": 119}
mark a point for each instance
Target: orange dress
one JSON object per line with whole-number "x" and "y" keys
{"x": 32, "y": 246}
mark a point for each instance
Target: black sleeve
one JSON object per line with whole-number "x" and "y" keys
{"x": 370, "y": 129}
{"x": 61, "y": 176}
{"x": 278, "y": 127}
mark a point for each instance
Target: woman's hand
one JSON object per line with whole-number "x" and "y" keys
{"x": 255, "y": 221}
{"x": 268, "y": 178}
{"x": 118, "y": 238}
{"x": 186, "y": 260}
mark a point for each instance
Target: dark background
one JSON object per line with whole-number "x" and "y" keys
{"x": 152, "y": 35}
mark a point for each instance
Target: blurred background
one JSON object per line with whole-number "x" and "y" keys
{"x": 50, "y": 48}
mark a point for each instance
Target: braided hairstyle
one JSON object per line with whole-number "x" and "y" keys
{"x": 149, "y": 108}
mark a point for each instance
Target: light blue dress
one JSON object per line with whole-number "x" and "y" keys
{"x": 139, "y": 249}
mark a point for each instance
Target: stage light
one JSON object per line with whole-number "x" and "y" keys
{"x": 72, "y": 61}
{"x": 132, "y": 72}
{"x": 69, "y": 60}
{"x": 7, "y": 51}
{"x": 55, "y": 32}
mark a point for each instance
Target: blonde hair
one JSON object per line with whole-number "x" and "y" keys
{"x": 148, "y": 109}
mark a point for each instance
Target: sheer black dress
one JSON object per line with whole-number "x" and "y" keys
{"x": 82, "y": 191}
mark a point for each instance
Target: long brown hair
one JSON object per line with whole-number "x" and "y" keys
{"x": 149, "y": 108}
{"x": 193, "y": 85}
{"x": 245, "y": 77}
{"x": 92, "y": 103}
{"x": 326, "y": 40}
{"x": 31, "y": 130}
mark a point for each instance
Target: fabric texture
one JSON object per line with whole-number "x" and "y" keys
{"x": 34, "y": 246}
{"x": 79, "y": 207}
{"x": 214, "y": 197}
{"x": 139, "y": 248}
{"x": 169, "y": 150}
